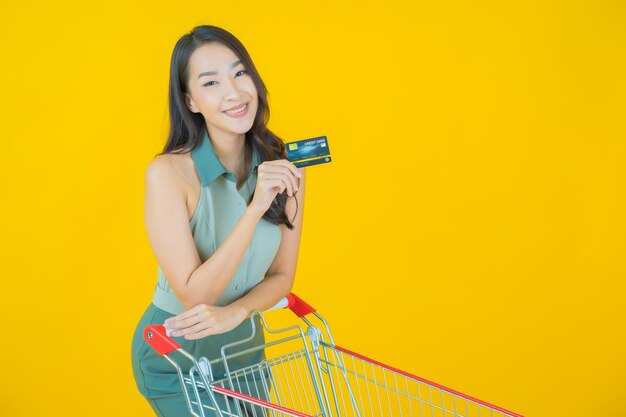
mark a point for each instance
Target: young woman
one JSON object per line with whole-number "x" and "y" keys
{"x": 223, "y": 212}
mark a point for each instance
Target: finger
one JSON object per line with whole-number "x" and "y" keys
{"x": 204, "y": 324}
{"x": 296, "y": 183}
{"x": 283, "y": 165}
{"x": 191, "y": 312}
{"x": 174, "y": 323}
{"x": 269, "y": 182}
{"x": 190, "y": 321}
{"x": 279, "y": 188}
{"x": 288, "y": 164}
{"x": 281, "y": 171}
{"x": 275, "y": 185}
{"x": 171, "y": 322}
{"x": 287, "y": 174}
{"x": 204, "y": 333}
{"x": 282, "y": 178}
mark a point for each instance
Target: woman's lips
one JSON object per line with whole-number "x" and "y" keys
{"x": 239, "y": 114}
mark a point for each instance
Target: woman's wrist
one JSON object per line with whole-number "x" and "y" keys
{"x": 254, "y": 213}
{"x": 240, "y": 310}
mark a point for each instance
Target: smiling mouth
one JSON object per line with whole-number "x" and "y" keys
{"x": 238, "y": 110}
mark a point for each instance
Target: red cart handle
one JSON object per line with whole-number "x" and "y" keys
{"x": 299, "y": 307}
{"x": 156, "y": 334}
{"x": 156, "y": 337}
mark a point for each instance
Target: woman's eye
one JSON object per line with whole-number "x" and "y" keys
{"x": 238, "y": 72}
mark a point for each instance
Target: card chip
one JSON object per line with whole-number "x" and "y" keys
{"x": 314, "y": 151}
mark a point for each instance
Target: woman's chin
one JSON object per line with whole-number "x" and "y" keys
{"x": 240, "y": 128}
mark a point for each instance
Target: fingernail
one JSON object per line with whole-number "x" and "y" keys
{"x": 298, "y": 174}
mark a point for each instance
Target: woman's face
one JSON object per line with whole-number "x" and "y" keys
{"x": 219, "y": 82}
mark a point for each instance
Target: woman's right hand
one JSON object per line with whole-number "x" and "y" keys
{"x": 274, "y": 177}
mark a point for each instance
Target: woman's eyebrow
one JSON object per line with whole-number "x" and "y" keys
{"x": 233, "y": 65}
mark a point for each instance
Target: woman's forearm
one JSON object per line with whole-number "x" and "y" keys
{"x": 207, "y": 283}
{"x": 265, "y": 294}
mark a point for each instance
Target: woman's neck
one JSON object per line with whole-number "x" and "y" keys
{"x": 230, "y": 150}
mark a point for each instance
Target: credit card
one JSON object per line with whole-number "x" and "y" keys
{"x": 307, "y": 152}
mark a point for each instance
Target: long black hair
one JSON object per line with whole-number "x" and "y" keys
{"x": 187, "y": 128}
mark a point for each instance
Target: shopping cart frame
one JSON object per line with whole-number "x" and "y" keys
{"x": 321, "y": 354}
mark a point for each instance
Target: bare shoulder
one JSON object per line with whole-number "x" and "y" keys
{"x": 172, "y": 169}
{"x": 160, "y": 171}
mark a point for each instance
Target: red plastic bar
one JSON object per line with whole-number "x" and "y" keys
{"x": 434, "y": 384}
{"x": 256, "y": 401}
{"x": 156, "y": 337}
{"x": 299, "y": 306}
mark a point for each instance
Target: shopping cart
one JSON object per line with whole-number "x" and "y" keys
{"x": 308, "y": 375}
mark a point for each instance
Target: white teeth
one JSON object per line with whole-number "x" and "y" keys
{"x": 238, "y": 110}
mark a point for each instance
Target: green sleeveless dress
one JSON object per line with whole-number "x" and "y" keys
{"x": 220, "y": 207}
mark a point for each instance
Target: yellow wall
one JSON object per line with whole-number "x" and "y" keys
{"x": 472, "y": 219}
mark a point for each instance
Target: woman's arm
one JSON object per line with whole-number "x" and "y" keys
{"x": 204, "y": 320}
{"x": 167, "y": 224}
{"x": 281, "y": 273}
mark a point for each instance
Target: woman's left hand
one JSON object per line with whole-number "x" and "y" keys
{"x": 205, "y": 320}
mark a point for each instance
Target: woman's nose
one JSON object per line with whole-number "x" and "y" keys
{"x": 232, "y": 92}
